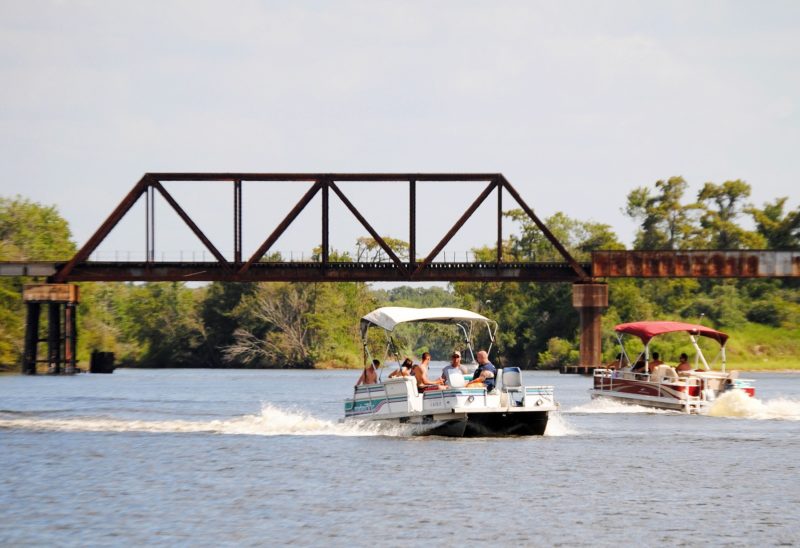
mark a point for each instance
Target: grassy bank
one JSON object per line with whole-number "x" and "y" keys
{"x": 757, "y": 347}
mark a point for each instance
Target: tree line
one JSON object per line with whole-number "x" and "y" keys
{"x": 316, "y": 324}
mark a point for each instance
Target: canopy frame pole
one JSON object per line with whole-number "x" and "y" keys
{"x": 467, "y": 338}
{"x": 624, "y": 352}
{"x": 491, "y": 335}
{"x": 699, "y": 356}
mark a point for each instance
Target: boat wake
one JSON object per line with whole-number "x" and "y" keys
{"x": 558, "y": 426}
{"x": 271, "y": 421}
{"x": 739, "y": 405}
{"x": 601, "y": 406}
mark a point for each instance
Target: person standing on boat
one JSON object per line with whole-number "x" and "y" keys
{"x": 421, "y": 373}
{"x": 486, "y": 371}
{"x": 454, "y": 366}
{"x": 370, "y": 374}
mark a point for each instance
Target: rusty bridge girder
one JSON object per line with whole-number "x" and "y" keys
{"x": 744, "y": 263}
{"x": 332, "y": 272}
{"x": 256, "y": 268}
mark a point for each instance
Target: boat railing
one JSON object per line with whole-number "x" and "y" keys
{"x": 613, "y": 374}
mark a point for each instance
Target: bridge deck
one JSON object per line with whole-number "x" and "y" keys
{"x": 605, "y": 264}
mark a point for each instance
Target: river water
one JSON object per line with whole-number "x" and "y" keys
{"x": 231, "y": 458}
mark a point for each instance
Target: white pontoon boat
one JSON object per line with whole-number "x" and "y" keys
{"x": 692, "y": 391}
{"x": 457, "y": 409}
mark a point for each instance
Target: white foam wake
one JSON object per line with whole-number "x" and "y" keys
{"x": 609, "y": 406}
{"x": 557, "y": 426}
{"x": 271, "y": 421}
{"x": 737, "y": 403}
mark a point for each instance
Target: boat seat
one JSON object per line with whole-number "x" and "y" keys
{"x": 512, "y": 385}
{"x": 664, "y": 373}
{"x": 512, "y": 378}
{"x": 455, "y": 378}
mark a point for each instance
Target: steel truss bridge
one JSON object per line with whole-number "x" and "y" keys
{"x": 590, "y": 294}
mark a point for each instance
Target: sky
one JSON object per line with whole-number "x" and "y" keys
{"x": 575, "y": 102}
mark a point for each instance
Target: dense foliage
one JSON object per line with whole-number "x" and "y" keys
{"x": 28, "y": 232}
{"x": 315, "y": 325}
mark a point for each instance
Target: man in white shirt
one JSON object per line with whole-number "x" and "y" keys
{"x": 455, "y": 364}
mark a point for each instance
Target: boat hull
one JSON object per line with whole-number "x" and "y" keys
{"x": 474, "y": 425}
{"x": 457, "y": 412}
{"x": 478, "y": 425}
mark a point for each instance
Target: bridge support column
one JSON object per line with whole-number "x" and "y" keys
{"x": 62, "y": 335}
{"x": 31, "y": 338}
{"x": 591, "y": 299}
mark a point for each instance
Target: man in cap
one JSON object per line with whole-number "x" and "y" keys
{"x": 454, "y": 366}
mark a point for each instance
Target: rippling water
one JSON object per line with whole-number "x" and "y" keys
{"x": 203, "y": 457}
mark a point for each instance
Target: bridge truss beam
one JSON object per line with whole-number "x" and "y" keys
{"x": 255, "y": 268}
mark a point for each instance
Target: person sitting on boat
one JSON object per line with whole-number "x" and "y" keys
{"x": 421, "y": 374}
{"x": 655, "y": 363}
{"x": 616, "y": 362}
{"x": 484, "y": 365}
{"x": 481, "y": 381}
{"x": 403, "y": 371}
{"x": 454, "y": 366}
{"x": 683, "y": 366}
{"x": 370, "y": 374}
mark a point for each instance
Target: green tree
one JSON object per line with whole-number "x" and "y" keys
{"x": 665, "y": 223}
{"x": 28, "y": 232}
{"x": 721, "y": 206}
{"x": 163, "y": 319}
{"x": 218, "y": 317}
{"x": 299, "y": 325}
{"x": 368, "y": 249}
{"x": 780, "y": 229}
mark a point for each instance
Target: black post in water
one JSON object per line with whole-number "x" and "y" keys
{"x": 54, "y": 338}
{"x": 31, "y": 339}
{"x": 70, "y": 338}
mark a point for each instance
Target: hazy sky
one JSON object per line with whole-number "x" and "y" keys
{"x": 575, "y": 102}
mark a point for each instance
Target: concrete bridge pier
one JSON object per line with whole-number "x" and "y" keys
{"x": 591, "y": 300}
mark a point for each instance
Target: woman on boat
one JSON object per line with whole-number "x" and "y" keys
{"x": 403, "y": 371}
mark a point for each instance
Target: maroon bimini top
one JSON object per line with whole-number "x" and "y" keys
{"x": 648, "y": 330}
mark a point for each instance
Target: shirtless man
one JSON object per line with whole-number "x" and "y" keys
{"x": 655, "y": 363}
{"x": 683, "y": 365}
{"x": 370, "y": 374}
{"x": 421, "y": 373}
